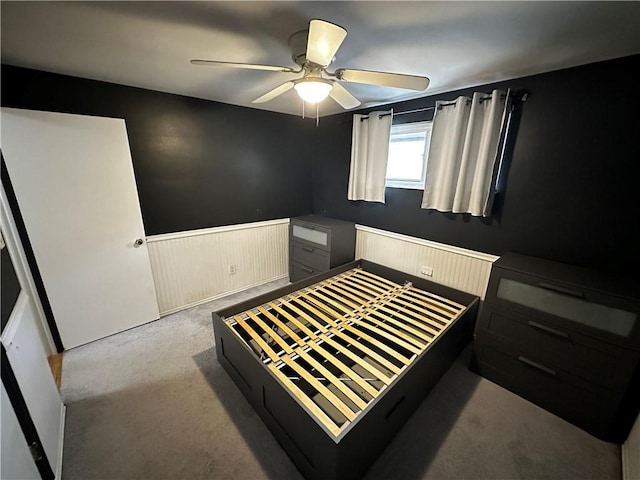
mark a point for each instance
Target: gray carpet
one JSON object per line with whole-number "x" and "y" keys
{"x": 154, "y": 403}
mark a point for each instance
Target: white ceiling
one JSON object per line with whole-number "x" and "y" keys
{"x": 456, "y": 44}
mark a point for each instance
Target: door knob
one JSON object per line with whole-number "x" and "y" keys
{"x": 138, "y": 242}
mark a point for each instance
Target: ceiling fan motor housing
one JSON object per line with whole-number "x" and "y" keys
{"x": 298, "y": 46}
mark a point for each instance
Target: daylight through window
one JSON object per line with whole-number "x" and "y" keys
{"x": 408, "y": 152}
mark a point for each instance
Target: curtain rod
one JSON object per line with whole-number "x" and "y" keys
{"x": 402, "y": 113}
{"x": 520, "y": 95}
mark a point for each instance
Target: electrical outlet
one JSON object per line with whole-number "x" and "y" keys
{"x": 232, "y": 269}
{"x": 426, "y": 271}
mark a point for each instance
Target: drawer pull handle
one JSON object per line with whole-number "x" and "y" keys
{"x": 552, "y": 331}
{"x": 307, "y": 249}
{"x": 559, "y": 289}
{"x": 394, "y": 408}
{"x": 305, "y": 269}
{"x": 542, "y": 368}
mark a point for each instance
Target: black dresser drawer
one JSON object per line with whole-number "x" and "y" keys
{"x": 309, "y": 256}
{"x": 552, "y": 389}
{"x": 601, "y": 315}
{"x": 298, "y": 271}
{"x": 566, "y": 338}
{"x": 313, "y": 235}
{"x": 595, "y": 361}
{"x": 318, "y": 244}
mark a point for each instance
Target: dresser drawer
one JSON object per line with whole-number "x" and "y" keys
{"x": 552, "y": 389}
{"x": 590, "y": 359}
{"x": 297, "y": 271}
{"x": 596, "y": 314}
{"x": 316, "y": 236}
{"x": 310, "y": 256}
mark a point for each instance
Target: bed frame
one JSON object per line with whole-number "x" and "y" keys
{"x": 336, "y": 363}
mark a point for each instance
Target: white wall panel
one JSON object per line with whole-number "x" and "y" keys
{"x": 192, "y": 267}
{"x": 455, "y": 267}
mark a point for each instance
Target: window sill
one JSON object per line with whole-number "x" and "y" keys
{"x": 407, "y": 185}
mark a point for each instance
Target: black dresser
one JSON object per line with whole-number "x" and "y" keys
{"x": 317, "y": 244}
{"x": 565, "y": 338}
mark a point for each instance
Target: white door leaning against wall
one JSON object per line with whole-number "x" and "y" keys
{"x": 74, "y": 183}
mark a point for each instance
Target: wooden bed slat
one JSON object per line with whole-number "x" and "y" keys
{"x": 432, "y": 317}
{"x": 367, "y": 337}
{"x": 330, "y": 321}
{"x": 324, "y": 391}
{"x": 422, "y": 293}
{"x": 377, "y": 343}
{"x": 432, "y": 328}
{"x": 383, "y": 361}
{"x": 306, "y": 401}
{"x": 294, "y": 336}
{"x": 408, "y": 328}
{"x": 421, "y": 308}
{"x": 317, "y": 293}
{"x": 368, "y": 286}
{"x": 341, "y": 290}
{"x": 405, "y": 308}
{"x": 363, "y": 348}
{"x": 350, "y": 394}
{"x": 361, "y": 382}
{"x": 277, "y": 338}
{"x": 258, "y": 339}
{"x": 330, "y": 290}
{"x": 360, "y": 361}
{"x": 389, "y": 336}
{"x": 359, "y": 289}
{"x": 359, "y": 294}
{"x": 387, "y": 325}
{"x": 293, "y": 320}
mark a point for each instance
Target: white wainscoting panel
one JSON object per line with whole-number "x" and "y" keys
{"x": 190, "y": 268}
{"x": 456, "y": 267}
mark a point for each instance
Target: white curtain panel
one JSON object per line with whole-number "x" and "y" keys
{"x": 463, "y": 154}
{"x": 369, "y": 153}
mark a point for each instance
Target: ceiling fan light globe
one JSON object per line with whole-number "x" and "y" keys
{"x": 313, "y": 91}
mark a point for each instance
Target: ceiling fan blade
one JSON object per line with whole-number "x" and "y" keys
{"x": 343, "y": 97}
{"x": 279, "y": 90}
{"x": 247, "y": 66}
{"x": 323, "y": 41}
{"x": 398, "y": 80}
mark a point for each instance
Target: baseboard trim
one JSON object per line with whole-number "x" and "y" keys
{"x": 221, "y": 295}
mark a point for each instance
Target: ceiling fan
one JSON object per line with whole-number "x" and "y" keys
{"x": 313, "y": 50}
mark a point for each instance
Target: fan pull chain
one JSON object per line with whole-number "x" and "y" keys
{"x": 303, "y": 109}
{"x": 317, "y": 113}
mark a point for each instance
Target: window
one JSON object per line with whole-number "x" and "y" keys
{"x": 408, "y": 149}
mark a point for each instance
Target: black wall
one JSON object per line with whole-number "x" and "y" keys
{"x": 571, "y": 191}
{"x": 197, "y": 163}
{"x": 572, "y": 188}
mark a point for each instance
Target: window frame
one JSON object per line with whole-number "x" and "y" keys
{"x": 404, "y": 129}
